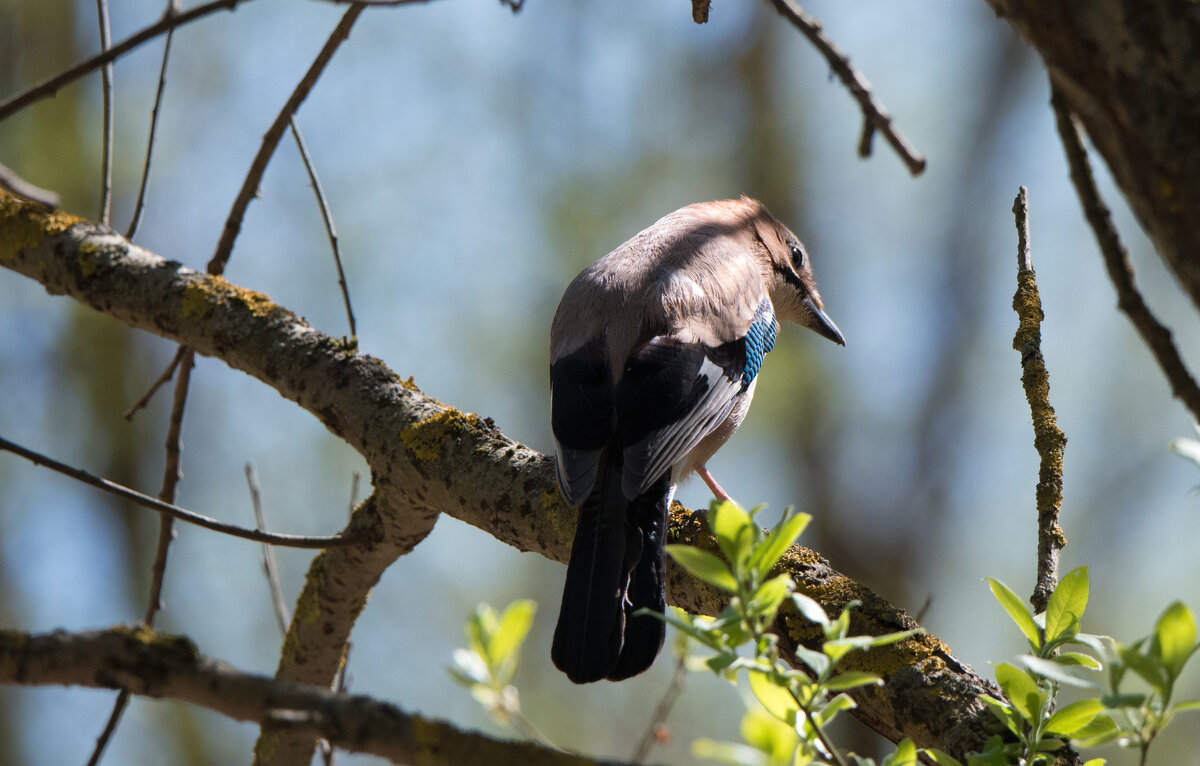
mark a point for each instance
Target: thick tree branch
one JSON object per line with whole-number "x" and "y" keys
{"x": 151, "y": 664}
{"x": 427, "y": 458}
{"x": 1130, "y": 72}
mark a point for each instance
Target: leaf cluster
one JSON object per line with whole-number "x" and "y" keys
{"x": 1109, "y": 710}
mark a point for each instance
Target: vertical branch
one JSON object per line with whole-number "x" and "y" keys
{"x": 172, "y": 9}
{"x": 106, "y": 79}
{"x": 282, "y": 617}
{"x": 1048, "y": 439}
{"x": 327, "y": 216}
{"x": 166, "y": 533}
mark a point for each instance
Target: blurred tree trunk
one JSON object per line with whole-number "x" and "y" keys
{"x": 1130, "y": 71}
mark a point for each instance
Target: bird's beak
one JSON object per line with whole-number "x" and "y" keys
{"x": 822, "y": 324}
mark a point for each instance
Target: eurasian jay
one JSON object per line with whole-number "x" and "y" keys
{"x": 654, "y": 352}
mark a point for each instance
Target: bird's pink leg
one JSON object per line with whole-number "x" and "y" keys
{"x": 712, "y": 484}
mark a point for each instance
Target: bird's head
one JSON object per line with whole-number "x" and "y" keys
{"x": 792, "y": 284}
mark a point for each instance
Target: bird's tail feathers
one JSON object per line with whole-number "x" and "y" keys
{"x": 615, "y": 569}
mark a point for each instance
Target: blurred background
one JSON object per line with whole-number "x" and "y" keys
{"x": 475, "y": 161}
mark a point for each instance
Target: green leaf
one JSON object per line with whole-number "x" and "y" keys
{"x": 511, "y": 632}
{"x": 769, "y": 735}
{"x": 852, "y": 680}
{"x": 1066, "y": 606}
{"x": 888, "y": 638}
{"x": 704, "y": 565}
{"x": 767, "y": 553}
{"x": 1021, "y": 691}
{"x": 728, "y": 752}
{"x": 1068, "y": 675}
{"x": 1072, "y": 718}
{"x": 939, "y": 757}
{"x": 1100, "y": 731}
{"x": 816, "y": 661}
{"x": 1175, "y": 637}
{"x": 734, "y": 530}
{"x": 1003, "y": 712}
{"x": 1181, "y": 707}
{"x": 1017, "y": 610}
{"x": 1148, "y": 666}
{"x": 1094, "y": 762}
{"x": 838, "y": 704}
{"x": 810, "y": 609}
{"x": 1186, "y": 448}
{"x": 766, "y": 600}
{"x": 777, "y": 700}
{"x": 468, "y": 668}
{"x": 1077, "y": 659}
{"x": 905, "y": 755}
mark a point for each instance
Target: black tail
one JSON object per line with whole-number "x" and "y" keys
{"x": 616, "y": 568}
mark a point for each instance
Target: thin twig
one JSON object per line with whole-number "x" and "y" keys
{"x": 282, "y": 617}
{"x": 875, "y": 116}
{"x": 1154, "y": 334}
{"x": 54, "y": 84}
{"x": 166, "y": 533}
{"x": 162, "y": 380}
{"x": 11, "y": 182}
{"x": 1048, "y": 438}
{"x": 171, "y": 476}
{"x": 233, "y": 224}
{"x": 172, "y": 9}
{"x": 110, "y": 727}
{"x": 290, "y": 541}
{"x": 327, "y": 216}
{"x": 106, "y": 79}
{"x": 662, "y": 710}
{"x": 340, "y": 685}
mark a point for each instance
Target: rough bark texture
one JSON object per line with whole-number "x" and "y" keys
{"x": 1130, "y": 71}
{"x": 427, "y": 458}
{"x": 170, "y": 667}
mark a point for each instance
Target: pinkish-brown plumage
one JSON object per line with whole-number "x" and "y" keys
{"x": 654, "y": 353}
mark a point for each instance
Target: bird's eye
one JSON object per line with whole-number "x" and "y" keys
{"x": 799, "y": 257}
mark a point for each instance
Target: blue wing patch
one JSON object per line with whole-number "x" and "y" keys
{"x": 760, "y": 339}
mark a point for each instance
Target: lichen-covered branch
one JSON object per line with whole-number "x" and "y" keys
{"x": 152, "y": 664}
{"x": 1048, "y": 438}
{"x": 427, "y": 458}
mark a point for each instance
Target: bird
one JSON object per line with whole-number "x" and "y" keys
{"x": 655, "y": 351}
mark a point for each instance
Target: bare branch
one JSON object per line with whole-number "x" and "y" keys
{"x": 162, "y": 380}
{"x": 106, "y": 80}
{"x": 118, "y": 658}
{"x": 291, "y": 541}
{"x": 11, "y": 182}
{"x": 166, "y": 533}
{"x": 1154, "y": 334}
{"x": 282, "y": 617}
{"x": 233, "y": 224}
{"x": 54, "y": 84}
{"x": 139, "y": 206}
{"x": 327, "y": 217}
{"x": 875, "y": 116}
{"x": 1048, "y": 438}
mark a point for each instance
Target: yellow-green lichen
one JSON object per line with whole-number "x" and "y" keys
{"x": 87, "y": 258}
{"x": 201, "y": 297}
{"x": 25, "y": 224}
{"x": 197, "y": 302}
{"x": 425, "y": 438}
